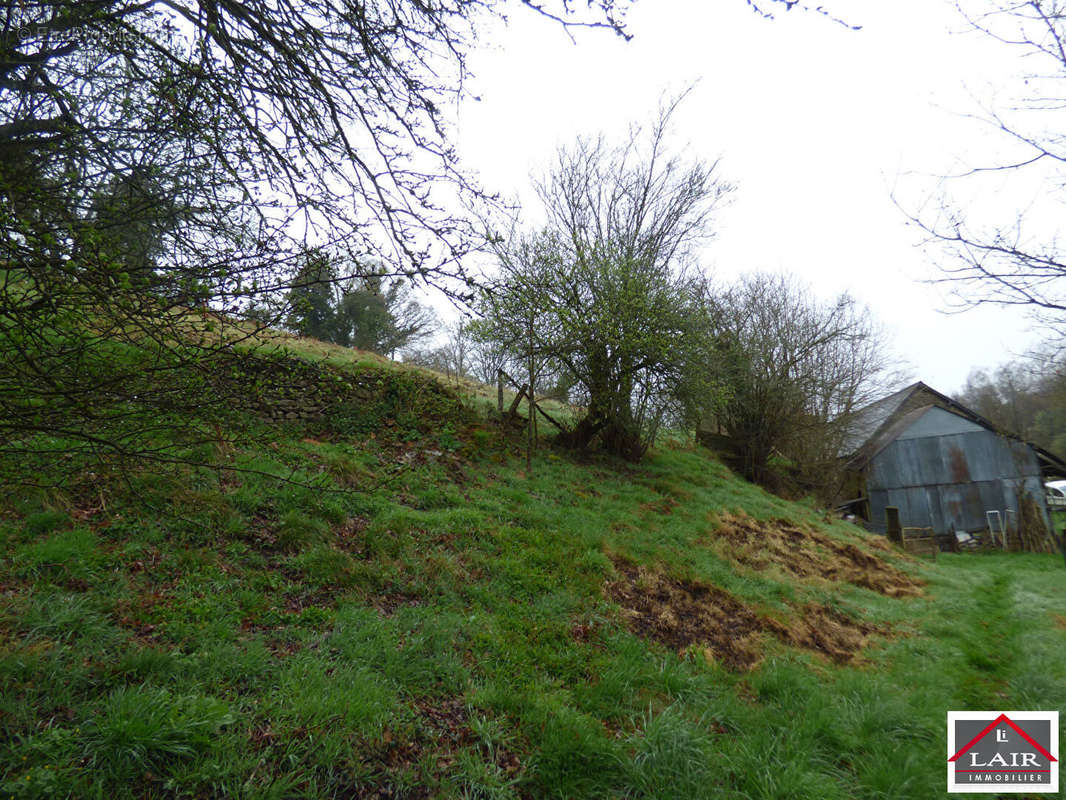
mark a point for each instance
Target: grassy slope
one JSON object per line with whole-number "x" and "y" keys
{"x": 444, "y": 631}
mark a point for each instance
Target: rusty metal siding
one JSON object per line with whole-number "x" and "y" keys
{"x": 946, "y": 479}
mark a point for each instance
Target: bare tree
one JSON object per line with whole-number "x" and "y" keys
{"x": 1016, "y": 259}
{"x": 793, "y": 370}
{"x": 489, "y": 356}
{"x": 457, "y": 347}
{"x": 603, "y": 293}
{"x": 453, "y": 356}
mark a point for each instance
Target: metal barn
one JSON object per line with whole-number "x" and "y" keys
{"x": 942, "y": 465}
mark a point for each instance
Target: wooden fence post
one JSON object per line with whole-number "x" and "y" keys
{"x": 517, "y": 399}
{"x": 531, "y": 430}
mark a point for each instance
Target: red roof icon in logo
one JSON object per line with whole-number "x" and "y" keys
{"x": 993, "y": 724}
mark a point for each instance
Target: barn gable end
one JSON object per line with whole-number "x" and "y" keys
{"x": 941, "y": 464}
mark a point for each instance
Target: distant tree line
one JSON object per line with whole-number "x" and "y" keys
{"x": 1026, "y": 397}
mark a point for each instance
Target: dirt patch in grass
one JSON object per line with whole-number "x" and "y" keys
{"x": 141, "y": 613}
{"x": 447, "y": 722}
{"x": 807, "y": 553}
{"x": 302, "y": 599}
{"x": 389, "y": 604}
{"x": 429, "y": 744}
{"x": 664, "y": 505}
{"x": 349, "y": 536}
{"x": 682, "y": 614}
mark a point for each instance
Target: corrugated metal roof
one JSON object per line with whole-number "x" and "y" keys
{"x": 866, "y": 422}
{"x": 874, "y": 427}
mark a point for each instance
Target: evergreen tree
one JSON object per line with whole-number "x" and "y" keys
{"x": 312, "y": 299}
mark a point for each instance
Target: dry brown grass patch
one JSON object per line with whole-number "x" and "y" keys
{"x": 807, "y": 553}
{"x": 682, "y": 614}
{"x": 828, "y": 631}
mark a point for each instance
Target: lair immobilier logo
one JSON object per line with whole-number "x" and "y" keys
{"x": 1003, "y": 751}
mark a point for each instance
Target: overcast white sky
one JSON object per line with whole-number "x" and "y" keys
{"x": 816, "y": 124}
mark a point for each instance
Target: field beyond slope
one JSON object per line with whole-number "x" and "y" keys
{"x": 379, "y": 601}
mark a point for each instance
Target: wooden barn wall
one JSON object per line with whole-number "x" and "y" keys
{"x": 947, "y": 482}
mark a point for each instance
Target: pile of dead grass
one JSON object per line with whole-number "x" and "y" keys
{"x": 682, "y": 614}
{"x": 807, "y": 553}
{"x": 825, "y": 630}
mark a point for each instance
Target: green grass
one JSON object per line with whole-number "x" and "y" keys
{"x": 416, "y": 614}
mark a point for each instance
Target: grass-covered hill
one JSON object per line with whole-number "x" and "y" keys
{"x": 378, "y": 601}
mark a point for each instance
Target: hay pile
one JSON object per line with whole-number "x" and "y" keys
{"x": 806, "y": 553}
